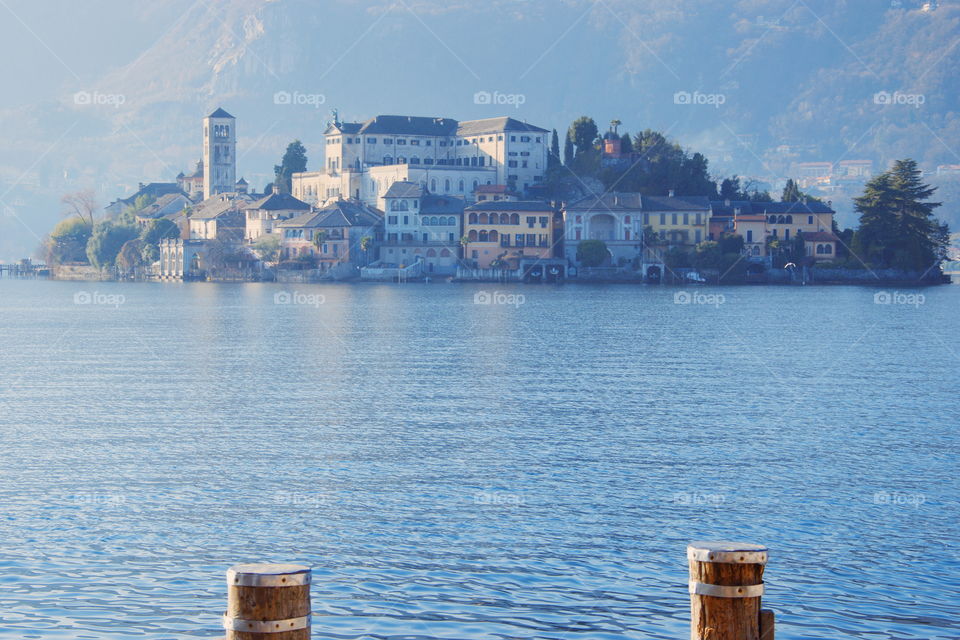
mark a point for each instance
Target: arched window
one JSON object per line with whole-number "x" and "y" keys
{"x": 494, "y": 236}
{"x": 394, "y": 206}
{"x": 475, "y": 184}
{"x": 461, "y": 185}
{"x": 819, "y": 248}
{"x": 414, "y": 159}
{"x": 828, "y": 248}
{"x": 789, "y": 219}
{"x": 431, "y": 253}
{"x": 433, "y": 184}
{"x": 484, "y": 219}
{"x": 451, "y": 221}
{"x": 472, "y": 236}
{"x": 401, "y": 160}
{"x": 445, "y": 253}
{"x": 425, "y": 221}
{"x": 404, "y": 206}
{"x": 782, "y": 220}
{"x": 433, "y": 220}
{"x": 484, "y": 236}
{"x": 472, "y": 219}
{"x": 772, "y": 220}
{"x": 515, "y": 218}
{"x": 388, "y": 159}
{"x": 446, "y": 186}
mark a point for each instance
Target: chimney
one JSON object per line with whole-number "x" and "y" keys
{"x": 726, "y": 202}
{"x": 275, "y": 188}
{"x": 670, "y": 193}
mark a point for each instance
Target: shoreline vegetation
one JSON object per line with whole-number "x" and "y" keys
{"x": 897, "y": 241}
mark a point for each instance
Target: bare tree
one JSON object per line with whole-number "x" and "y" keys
{"x": 82, "y": 204}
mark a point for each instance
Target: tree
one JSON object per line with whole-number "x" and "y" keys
{"x": 730, "y": 189}
{"x": 267, "y": 247}
{"x": 130, "y": 255}
{"x": 159, "y": 229}
{"x": 68, "y": 241}
{"x": 583, "y": 133}
{"x": 319, "y": 238}
{"x": 568, "y": 152}
{"x": 626, "y": 144}
{"x": 791, "y": 192}
{"x": 294, "y": 161}
{"x": 129, "y": 215}
{"x": 105, "y": 242}
{"x": 897, "y": 227}
{"x": 592, "y": 253}
{"x": 553, "y": 160}
{"x": 82, "y": 204}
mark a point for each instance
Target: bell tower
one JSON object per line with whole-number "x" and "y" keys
{"x": 219, "y": 153}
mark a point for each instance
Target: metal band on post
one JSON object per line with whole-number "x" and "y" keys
{"x": 721, "y": 591}
{"x": 266, "y": 626}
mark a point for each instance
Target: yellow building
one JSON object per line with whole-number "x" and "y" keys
{"x": 505, "y": 232}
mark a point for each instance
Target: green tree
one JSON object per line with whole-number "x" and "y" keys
{"x": 592, "y": 253}
{"x": 68, "y": 241}
{"x": 568, "y": 152}
{"x": 267, "y": 247}
{"x": 553, "y": 160}
{"x": 730, "y": 189}
{"x": 791, "y": 192}
{"x": 897, "y": 226}
{"x": 159, "y": 229}
{"x": 130, "y": 255}
{"x": 129, "y": 215}
{"x": 583, "y": 134}
{"x": 105, "y": 242}
{"x": 294, "y": 161}
{"x": 626, "y": 143}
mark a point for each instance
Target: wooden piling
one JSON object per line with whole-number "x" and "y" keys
{"x": 268, "y": 602}
{"x": 726, "y": 582}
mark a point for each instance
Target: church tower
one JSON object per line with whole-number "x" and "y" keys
{"x": 219, "y": 153}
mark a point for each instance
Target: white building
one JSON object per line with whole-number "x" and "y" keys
{"x": 219, "y": 153}
{"x": 421, "y": 226}
{"x": 363, "y": 160}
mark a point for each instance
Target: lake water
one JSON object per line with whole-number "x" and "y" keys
{"x": 459, "y": 470}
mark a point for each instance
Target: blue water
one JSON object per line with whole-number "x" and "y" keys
{"x": 460, "y": 470}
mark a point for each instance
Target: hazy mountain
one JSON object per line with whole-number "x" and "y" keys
{"x": 767, "y": 74}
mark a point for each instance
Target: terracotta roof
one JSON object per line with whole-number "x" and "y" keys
{"x": 342, "y": 213}
{"x": 506, "y": 205}
{"x": 819, "y": 236}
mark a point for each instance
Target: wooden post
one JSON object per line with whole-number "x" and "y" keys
{"x": 726, "y": 582}
{"x": 268, "y": 602}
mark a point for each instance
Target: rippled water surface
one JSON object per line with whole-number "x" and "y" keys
{"x": 462, "y": 471}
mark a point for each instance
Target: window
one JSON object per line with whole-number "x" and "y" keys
{"x": 698, "y": 219}
{"x": 520, "y": 240}
{"x": 524, "y": 138}
{"x": 809, "y": 219}
{"x": 414, "y": 160}
{"x": 388, "y": 159}
{"x": 415, "y": 143}
{"x": 512, "y": 164}
{"x": 749, "y": 235}
{"x": 543, "y": 221}
{"x": 531, "y": 239}
{"x": 500, "y": 138}
{"x": 388, "y": 141}
{"x": 433, "y": 184}
{"x": 391, "y": 219}
{"x": 371, "y": 141}
{"x": 401, "y": 142}
{"x": 472, "y": 219}
{"x": 513, "y": 138}
{"x": 446, "y": 185}
{"x": 686, "y": 218}
{"x": 531, "y": 220}
{"x": 698, "y": 236}
{"x": 406, "y": 219}
{"x": 515, "y": 218}
{"x": 663, "y": 218}
{"x": 673, "y": 218}
{"x": 461, "y": 185}
{"x": 429, "y": 143}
